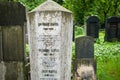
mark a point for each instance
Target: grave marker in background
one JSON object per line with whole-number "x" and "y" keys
{"x": 12, "y": 20}
{"x": 50, "y": 30}
{"x": 92, "y": 28}
{"x": 112, "y": 29}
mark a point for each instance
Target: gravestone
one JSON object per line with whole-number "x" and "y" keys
{"x": 84, "y": 54}
{"x": 50, "y": 30}
{"x": 112, "y": 29}
{"x": 92, "y": 28}
{"x": 12, "y": 20}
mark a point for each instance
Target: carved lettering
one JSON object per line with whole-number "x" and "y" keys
{"x": 47, "y": 24}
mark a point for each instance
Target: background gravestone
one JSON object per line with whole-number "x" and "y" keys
{"x": 12, "y": 20}
{"x": 92, "y": 28}
{"x": 112, "y": 29}
{"x": 50, "y": 30}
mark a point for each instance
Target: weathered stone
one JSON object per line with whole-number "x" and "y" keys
{"x": 92, "y": 27}
{"x": 50, "y": 27}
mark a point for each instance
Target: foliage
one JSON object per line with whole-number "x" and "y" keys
{"x": 82, "y": 9}
{"x": 31, "y": 4}
{"x": 79, "y": 31}
{"x": 107, "y": 55}
{"x": 59, "y": 1}
{"x": 106, "y": 8}
{"x": 27, "y": 50}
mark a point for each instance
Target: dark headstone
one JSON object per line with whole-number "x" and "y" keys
{"x": 84, "y": 47}
{"x": 12, "y": 13}
{"x": 92, "y": 28}
{"x": 12, "y": 20}
{"x": 112, "y": 29}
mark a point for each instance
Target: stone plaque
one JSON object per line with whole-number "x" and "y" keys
{"x": 92, "y": 27}
{"x": 50, "y": 42}
{"x": 84, "y": 47}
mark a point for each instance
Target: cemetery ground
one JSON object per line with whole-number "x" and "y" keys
{"x": 107, "y": 55}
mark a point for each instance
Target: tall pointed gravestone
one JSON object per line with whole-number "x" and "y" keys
{"x": 12, "y": 20}
{"x": 50, "y": 30}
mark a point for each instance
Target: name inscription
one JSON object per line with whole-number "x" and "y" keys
{"x": 48, "y": 50}
{"x": 47, "y": 24}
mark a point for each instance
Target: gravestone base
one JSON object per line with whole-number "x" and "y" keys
{"x": 87, "y": 66}
{"x": 85, "y": 72}
{"x": 11, "y": 71}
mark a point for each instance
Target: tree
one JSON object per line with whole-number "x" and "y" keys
{"x": 106, "y": 8}
{"x": 80, "y": 9}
